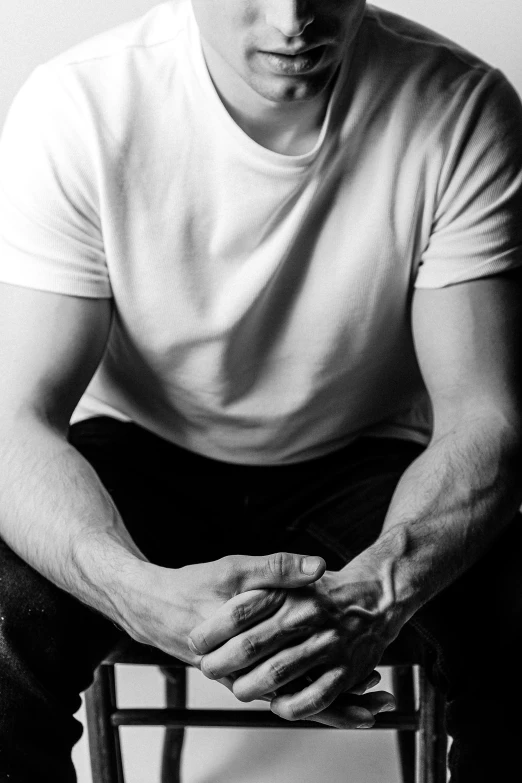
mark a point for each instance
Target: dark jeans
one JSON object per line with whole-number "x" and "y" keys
{"x": 182, "y": 508}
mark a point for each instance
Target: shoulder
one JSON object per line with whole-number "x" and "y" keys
{"x": 99, "y": 87}
{"x": 117, "y": 66}
{"x": 159, "y": 27}
{"x": 415, "y": 65}
{"x": 401, "y": 34}
{"x": 424, "y": 85}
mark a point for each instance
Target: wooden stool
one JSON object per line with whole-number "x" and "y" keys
{"x": 420, "y": 729}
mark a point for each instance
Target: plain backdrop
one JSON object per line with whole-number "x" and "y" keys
{"x": 34, "y": 31}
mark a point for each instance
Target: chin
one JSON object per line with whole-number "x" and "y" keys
{"x": 292, "y": 90}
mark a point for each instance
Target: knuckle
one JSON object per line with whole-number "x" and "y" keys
{"x": 300, "y": 625}
{"x": 249, "y": 648}
{"x": 257, "y": 605}
{"x": 238, "y": 615}
{"x": 313, "y": 612}
{"x": 277, "y": 672}
{"x": 317, "y": 702}
{"x": 281, "y": 565}
{"x": 277, "y": 563}
{"x": 228, "y": 568}
{"x": 261, "y": 603}
{"x": 332, "y": 639}
{"x": 271, "y": 598}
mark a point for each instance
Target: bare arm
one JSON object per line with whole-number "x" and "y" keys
{"x": 56, "y": 514}
{"x": 450, "y": 505}
{"x": 463, "y": 490}
{"x": 54, "y": 511}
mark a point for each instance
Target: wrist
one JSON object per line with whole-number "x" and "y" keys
{"x": 368, "y": 589}
{"x": 109, "y": 574}
{"x": 389, "y": 562}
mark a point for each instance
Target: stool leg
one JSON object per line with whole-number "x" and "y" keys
{"x": 432, "y": 737}
{"x": 176, "y": 697}
{"x": 104, "y": 741}
{"x": 404, "y": 692}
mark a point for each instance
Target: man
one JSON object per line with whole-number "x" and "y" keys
{"x": 265, "y": 254}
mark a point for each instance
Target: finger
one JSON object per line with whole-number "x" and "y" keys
{"x": 354, "y": 718}
{"x": 345, "y": 711}
{"x": 345, "y": 715}
{"x": 281, "y": 569}
{"x": 315, "y": 699}
{"x": 379, "y": 701}
{"x": 370, "y": 682}
{"x": 298, "y": 617}
{"x": 304, "y": 681}
{"x": 374, "y": 703}
{"x": 237, "y": 615}
{"x": 284, "y": 668}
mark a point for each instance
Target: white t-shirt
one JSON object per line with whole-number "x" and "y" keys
{"x": 262, "y": 301}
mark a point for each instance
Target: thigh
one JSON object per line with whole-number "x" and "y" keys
{"x": 50, "y": 645}
{"x": 175, "y": 504}
{"x": 183, "y": 508}
{"x": 49, "y": 641}
{"x": 475, "y": 624}
{"x": 474, "y": 629}
{"x": 343, "y": 501}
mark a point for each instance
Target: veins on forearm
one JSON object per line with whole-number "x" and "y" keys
{"x": 447, "y": 509}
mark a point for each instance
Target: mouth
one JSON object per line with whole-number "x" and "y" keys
{"x": 302, "y": 61}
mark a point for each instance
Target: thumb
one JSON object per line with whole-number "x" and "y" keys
{"x": 281, "y": 569}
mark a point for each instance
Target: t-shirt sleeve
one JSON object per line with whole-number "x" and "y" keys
{"x": 50, "y": 232}
{"x": 477, "y": 226}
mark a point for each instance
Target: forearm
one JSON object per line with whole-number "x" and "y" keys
{"x": 56, "y": 515}
{"x": 448, "y": 508}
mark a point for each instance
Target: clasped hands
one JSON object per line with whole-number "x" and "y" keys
{"x": 310, "y": 650}
{"x": 277, "y": 627}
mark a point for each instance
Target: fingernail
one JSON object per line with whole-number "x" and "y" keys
{"x": 365, "y": 726}
{"x": 373, "y": 682}
{"x": 309, "y": 565}
{"x": 387, "y": 707}
{"x": 192, "y": 647}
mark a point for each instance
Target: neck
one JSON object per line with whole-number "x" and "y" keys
{"x": 291, "y": 128}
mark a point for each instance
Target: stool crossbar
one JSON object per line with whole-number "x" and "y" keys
{"x": 418, "y": 719}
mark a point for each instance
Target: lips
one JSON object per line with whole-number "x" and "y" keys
{"x": 296, "y": 52}
{"x": 296, "y": 63}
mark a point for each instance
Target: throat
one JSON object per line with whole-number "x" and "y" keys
{"x": 288, "y": 130}
{"x": 283, "y": 137}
